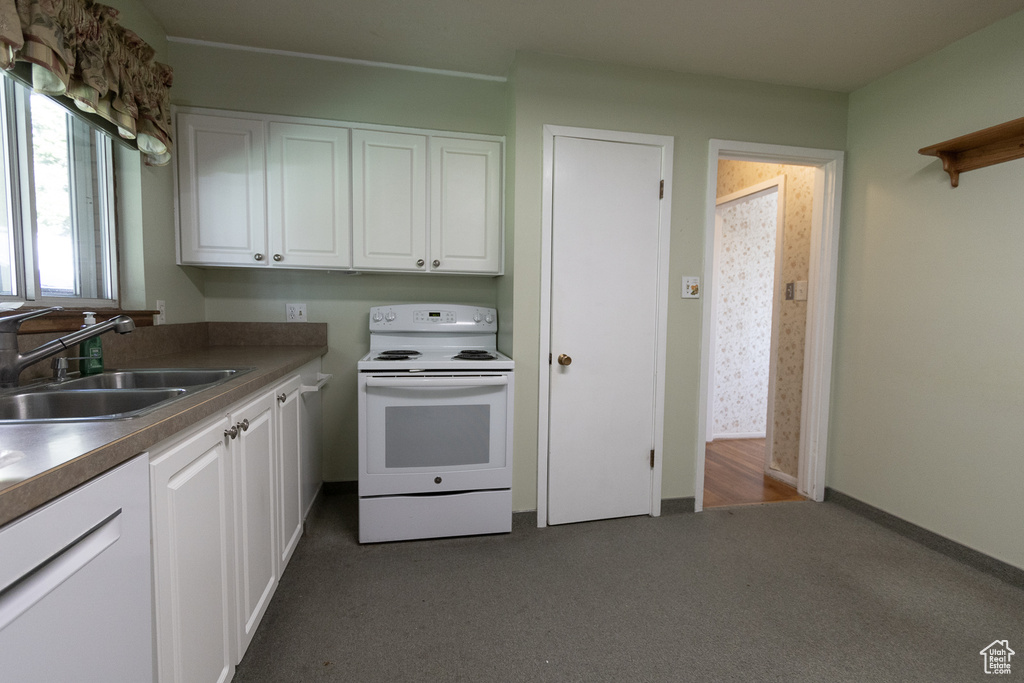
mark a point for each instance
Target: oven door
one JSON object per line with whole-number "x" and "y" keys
{"x": 434, "y": 433}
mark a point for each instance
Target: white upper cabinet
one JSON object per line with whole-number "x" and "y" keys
{"x": 269, "y": 191}
{"x": 221, "y": 207}
{"x": 465, "y": 205}
{"x": 309, "y": 215}
{"x": 389, "y": 199}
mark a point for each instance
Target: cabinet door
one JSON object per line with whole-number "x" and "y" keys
{"x": 308, "y": 209}
{"x": 221, "y": 210}
{"x": 465, "y": 206}
{"x": 193, "y": 552}
{"x": 75, "y": 587}
{"x": 255, "y": 468}
{"x": 389, "y": 200}
{"x": 289, "y": 439}
{"x": 311, "y": 435}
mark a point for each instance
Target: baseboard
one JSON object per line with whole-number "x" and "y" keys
{"x": 675, "y": 506}
{"x": 738, "y": 435}
{"x": 335, "y": 488}
{"x": 669, "y": 506}
{"x": 969, "y": 556}
{"x": 782, "y": 476}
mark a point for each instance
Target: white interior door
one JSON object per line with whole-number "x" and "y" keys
{"x": 604, "y": 315}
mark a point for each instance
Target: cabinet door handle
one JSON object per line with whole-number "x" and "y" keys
{"x": 419, "y": 264}
{"x": 244, "y": 425}
{"x": 258, "y": 257}
{"x": 282, "y": 398}
{"x": 436, "y": 263}
{"x": 231, "y": 432}
{"x": 278, "y": 257}
{"x": 46, "y": 577}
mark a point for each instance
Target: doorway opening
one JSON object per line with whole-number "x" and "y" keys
{"x": 762, "y": 225}
{"x": 770, "y": 260}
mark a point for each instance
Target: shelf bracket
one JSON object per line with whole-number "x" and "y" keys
{"x": 982, "y": 148}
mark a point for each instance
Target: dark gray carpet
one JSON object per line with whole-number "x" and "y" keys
{"x": 783, "y": 592}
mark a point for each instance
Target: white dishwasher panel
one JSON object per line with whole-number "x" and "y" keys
{"x": 75, "y": 586}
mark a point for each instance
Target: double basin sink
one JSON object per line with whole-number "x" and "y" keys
{"x": 114, "y": 395}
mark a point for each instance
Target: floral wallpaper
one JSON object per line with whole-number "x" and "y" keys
{"x": 743, "y": 301}
{"x": 732, "y": 177}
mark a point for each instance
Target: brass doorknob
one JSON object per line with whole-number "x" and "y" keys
{"x": 564, "y": 359}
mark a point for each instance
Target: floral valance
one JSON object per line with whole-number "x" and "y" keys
{"x": 77, "y": 50}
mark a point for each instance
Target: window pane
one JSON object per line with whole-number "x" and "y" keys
{"x": 7, "y": 261}
{"x": 51, "y": 167}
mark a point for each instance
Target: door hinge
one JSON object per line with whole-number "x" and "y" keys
{"x": 549, "y": 359}
{"x": 661, "y": 190}
{"x": 652, "y": 458}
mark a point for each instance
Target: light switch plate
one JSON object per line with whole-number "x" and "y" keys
{"x": 691, "y": 287}
{"x": 800, "y": 293}
{"x": 295, "y": 313}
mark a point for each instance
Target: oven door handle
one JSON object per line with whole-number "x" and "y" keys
{"x": 435, "y": 382}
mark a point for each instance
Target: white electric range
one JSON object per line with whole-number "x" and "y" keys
{"x": 435, "y": 424}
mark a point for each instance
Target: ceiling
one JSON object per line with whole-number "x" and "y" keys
{"x": 830, "y": 44}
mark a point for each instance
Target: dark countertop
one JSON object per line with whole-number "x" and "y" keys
{"x": 41, "y": 461}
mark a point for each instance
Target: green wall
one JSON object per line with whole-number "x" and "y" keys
{"x": 928, "y": 407}
{"x": 293, "y": 86}
{"x": 693, "y": 109}
{"x": 146, "y": 212}
{"x": 928, "y": 391}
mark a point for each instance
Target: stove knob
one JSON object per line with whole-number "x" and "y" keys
{"x": 476, "y": 317}
{"x": 377, "y": 316}
{"x": 437, "y": 480}
{"x": 488, "y": 318}
{"x": 390, "y": 316}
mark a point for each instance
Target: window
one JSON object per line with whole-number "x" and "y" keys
{"x": 57, "y": 230}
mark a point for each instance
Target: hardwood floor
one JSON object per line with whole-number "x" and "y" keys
{"x": 734, "y": 475}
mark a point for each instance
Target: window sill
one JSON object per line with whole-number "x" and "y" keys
{"x": 70, "y": 319}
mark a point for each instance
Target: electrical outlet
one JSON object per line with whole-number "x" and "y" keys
{"x": 161, "y": 317}
{"x": 295, "y": 313}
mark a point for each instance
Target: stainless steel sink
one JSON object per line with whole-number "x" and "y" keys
{"x": 79, "y": 405}
{"x": 149, "y": 379}
{"x": 114, "y": 395}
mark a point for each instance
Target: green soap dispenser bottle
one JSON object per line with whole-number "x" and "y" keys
{"x": 91, "y": 350}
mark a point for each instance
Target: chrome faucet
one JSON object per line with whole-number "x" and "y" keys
{"x": 12, "y": 362}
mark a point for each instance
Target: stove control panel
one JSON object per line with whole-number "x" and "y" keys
{"x": 433, "y": 317}
{"x": 427, "y": 318}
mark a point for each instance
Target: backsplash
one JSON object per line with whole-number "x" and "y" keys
{"x": 121, "y": 350}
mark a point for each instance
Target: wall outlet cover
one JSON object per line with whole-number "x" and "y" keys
{"x": 161, "y": 317}
{"x": 295, "y": 313}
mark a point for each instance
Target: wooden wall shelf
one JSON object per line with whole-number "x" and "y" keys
{"x": 994, "y": 145}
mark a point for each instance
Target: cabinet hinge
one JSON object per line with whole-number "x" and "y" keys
{"x": 661, "y": 190}
{"x": 652, "y": 458}
{"x": 549, "y": 359}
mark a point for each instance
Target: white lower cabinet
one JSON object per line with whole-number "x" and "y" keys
{"x": 228, "y": 507}
{"x": 289, "y": 402}
{"x": 254, "y": 454}
{"x": 193, "y": 556}
{"x": 75, "y": 585}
